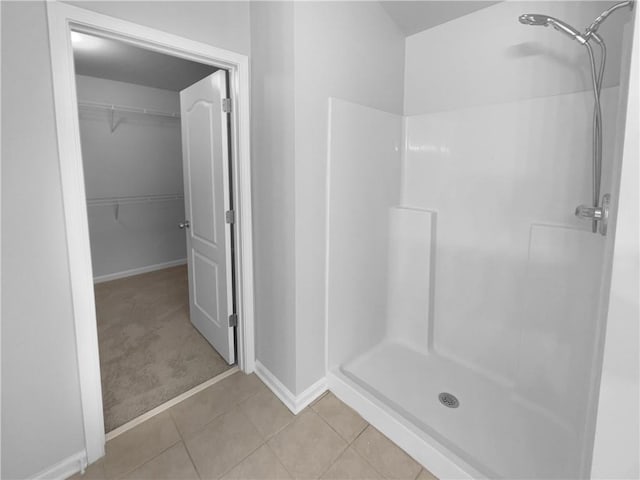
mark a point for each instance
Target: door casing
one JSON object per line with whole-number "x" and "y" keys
{"x": 62, "y": 18}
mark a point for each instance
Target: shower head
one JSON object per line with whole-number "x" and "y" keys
{"x": 545, "y": 20}
{"x": 534, "y": 19}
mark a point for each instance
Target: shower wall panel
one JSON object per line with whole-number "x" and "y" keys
{"x": 411, "y": 248}
{"x": 491, "y": 173}
{"x": 558, "y": 322}
{"x": 364, "y": 178}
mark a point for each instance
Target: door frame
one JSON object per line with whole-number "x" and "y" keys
{"x": 61, "y": 19}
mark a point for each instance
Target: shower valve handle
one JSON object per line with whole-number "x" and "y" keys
{"x": 598, "y": 215}
{"x": 589, "y": 213}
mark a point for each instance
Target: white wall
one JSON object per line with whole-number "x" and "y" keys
{"x": 473, "y": 60}
{"x": 224, "y": 24}
{"x": 41, "y": 413}
{"x": 142, "y": 156}
{"x": 352, "y": 51}
{"x": 272, "y": 152}
{"x": 617, "y": 435}
{"x": 39, "y": 367}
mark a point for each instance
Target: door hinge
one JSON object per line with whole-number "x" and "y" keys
{"x": 226, "y": 105}
{"x": 230, "y": 216}
{"x": 233, "y": 320}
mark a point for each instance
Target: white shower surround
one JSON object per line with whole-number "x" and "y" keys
{"x": 454, "y": 263}
{"x": 466, "y": 280}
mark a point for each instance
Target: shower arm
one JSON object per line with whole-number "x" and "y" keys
{"x": 591, "y": 29}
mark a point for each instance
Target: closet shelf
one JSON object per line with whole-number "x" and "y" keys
{"x": 126, "y": 108}
{"x": 115, "y": 201}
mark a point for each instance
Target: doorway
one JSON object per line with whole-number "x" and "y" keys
{"x": 63, "y": 19}
{"x": 155, "y": 150}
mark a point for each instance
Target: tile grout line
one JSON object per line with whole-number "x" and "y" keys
{"x": 362, "y": 456}
{"x": 204, "y": 425}
{"x": 291, "y": 423}
{"x": 344, "y": 449}
{"x": 243, "y": 459}
{"x": 275, "y": 454}
{"x": 122, "y": 475}
{"x": 235, "y": 405}
{"x": 264, "y": 442}
{"x": 372, "y": 466}
{"x": 181, "y": 438}
{"x": 195, "y": 467}
{"x": 333, "y": 462}
{"x": 349, "y": 442}
{"x": 269, "y": 437}
{"x": 266, "y": 439}
{"x": 279, "y": 459}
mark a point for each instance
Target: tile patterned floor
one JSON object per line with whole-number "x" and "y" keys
{"x": 237, "y": 429}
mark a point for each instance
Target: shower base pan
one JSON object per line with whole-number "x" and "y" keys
{"x": 490, "y": 433}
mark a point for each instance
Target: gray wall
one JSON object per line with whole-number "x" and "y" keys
{"x": 41, "y": 413}
{"x": 302, "y": 54}
{"x": 142, "y": 156}
{"x": 272, "y": 152}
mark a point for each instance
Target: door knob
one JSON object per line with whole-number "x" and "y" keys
{"x": 184, "y": 224}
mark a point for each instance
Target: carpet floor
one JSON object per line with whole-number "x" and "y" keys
{"x": 149, "y": 350}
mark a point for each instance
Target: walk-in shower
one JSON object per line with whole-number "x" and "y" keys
{"x": 464, "y": 296}
{"x": 598, "y": 212}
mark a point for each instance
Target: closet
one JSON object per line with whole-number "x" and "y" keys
{"x": 130, "y": 129}
{"x": 132, "y": 162}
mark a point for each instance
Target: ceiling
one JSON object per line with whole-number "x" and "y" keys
{"x": 115, "y": 60}
{"x": 416, "y": 16}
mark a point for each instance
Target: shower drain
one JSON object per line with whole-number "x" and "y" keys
{"x": 448, "y": 400}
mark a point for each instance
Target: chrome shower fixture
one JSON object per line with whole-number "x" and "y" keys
{"x": 544, "y": 20}
{"x": 536, "y": 19}
{"x": 591, "y": 29}
{"x": 597, "y": 212}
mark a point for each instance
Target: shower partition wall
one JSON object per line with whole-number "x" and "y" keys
{"x": 463, "y": 296}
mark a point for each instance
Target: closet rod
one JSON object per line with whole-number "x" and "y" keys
{"x": 106, "y": 201}
{"x": 125, "y": 108}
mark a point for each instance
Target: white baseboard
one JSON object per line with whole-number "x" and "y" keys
{"x": 138, "y": 271}
{"x": 295, "y": 403}
{"x": 64, "y": 468}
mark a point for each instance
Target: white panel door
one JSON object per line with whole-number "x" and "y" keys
{"x": 206, "y": 191}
